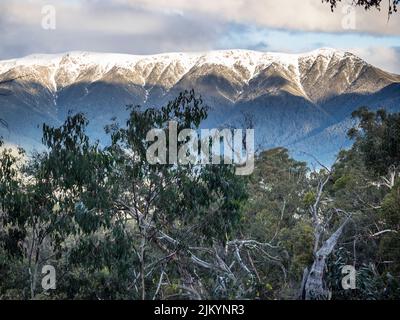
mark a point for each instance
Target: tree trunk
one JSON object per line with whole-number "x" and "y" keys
{"x": 314, "y": 285}
{"x": 303, "y": 284}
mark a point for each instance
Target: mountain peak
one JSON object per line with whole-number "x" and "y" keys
{"x": 166, "y": 70}
{"x": 100, "y": 57}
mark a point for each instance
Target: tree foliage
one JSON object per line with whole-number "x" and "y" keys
{"x": 115, "y": 226}
{"x": 367, "y": 4}
{"x": 377, "y": 137}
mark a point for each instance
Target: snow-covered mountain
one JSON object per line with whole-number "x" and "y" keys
{"x": 296, "y": 100}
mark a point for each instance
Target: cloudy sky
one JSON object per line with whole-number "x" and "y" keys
{"x": 147, "y": 27}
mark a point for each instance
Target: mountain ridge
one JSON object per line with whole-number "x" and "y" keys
{"x": 288, "y": 95}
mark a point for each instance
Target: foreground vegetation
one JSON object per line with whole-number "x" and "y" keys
{"x": 115, "y": 227}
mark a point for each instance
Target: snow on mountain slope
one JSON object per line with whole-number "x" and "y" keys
{"x": 166, "y": 70}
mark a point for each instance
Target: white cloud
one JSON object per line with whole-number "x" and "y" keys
{"x": 387, "y": 59}
{"x": 151, "y": 26}
{"x": 303, "y": 15}
{"x": 94, "y": 25}
{"x": 84, "y": 16}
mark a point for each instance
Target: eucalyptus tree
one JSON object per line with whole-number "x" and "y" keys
{"x": 368, "y": 4}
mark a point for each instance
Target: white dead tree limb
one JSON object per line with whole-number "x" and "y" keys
{"x": 160, "y": 283}
{"x": 390, "y": 180}
{"x": 314, "y": 285}
{"x": 382, "y": 232}
{"x": 225, "y": 262}
{"x": 314, "y": 209}
{"x": 313, "y": 281}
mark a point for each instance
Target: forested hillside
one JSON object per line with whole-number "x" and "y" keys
{"x": 114, "y": 226}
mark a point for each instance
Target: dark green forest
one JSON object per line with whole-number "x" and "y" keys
{"x": 115, "y": 227}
